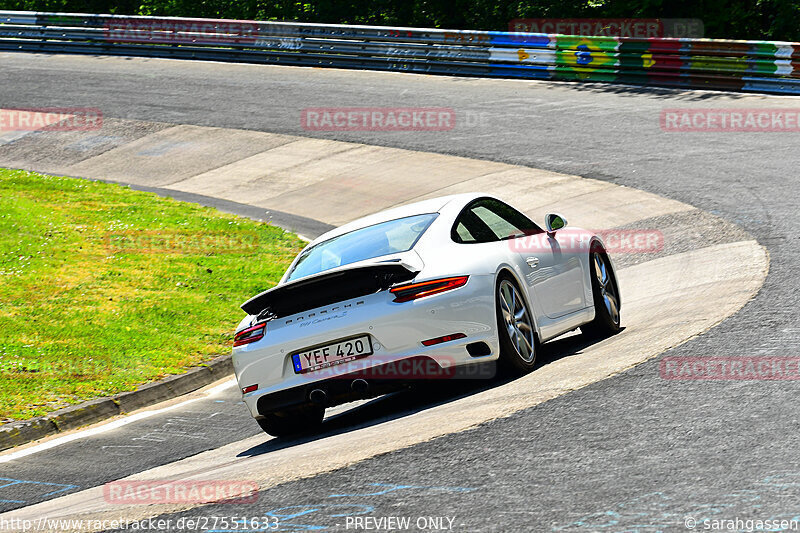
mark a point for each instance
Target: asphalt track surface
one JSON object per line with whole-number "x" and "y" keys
{"x": 631, "y": 453}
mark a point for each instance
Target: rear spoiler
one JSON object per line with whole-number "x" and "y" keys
{"x": 326, "y": 289}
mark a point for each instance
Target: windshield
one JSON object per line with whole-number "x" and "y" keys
{"x": 391, "y": 237}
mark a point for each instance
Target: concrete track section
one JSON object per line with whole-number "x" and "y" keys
{"x": 633, "y": 452}
{"x": 329, "y": 181}
{"x": 707, "y": 275}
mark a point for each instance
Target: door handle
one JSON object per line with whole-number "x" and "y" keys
{"x": 533, "y": 262}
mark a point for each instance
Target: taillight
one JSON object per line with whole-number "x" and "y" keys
{"x": 249, "y": 389}
{"x": 251, "y": 334}
{"x": 446, "y": 338}
{"x": 405, "y": 293}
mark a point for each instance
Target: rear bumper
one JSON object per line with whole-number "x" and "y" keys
{"x": 340, "y": 389}
{"x": 396, "y": 331}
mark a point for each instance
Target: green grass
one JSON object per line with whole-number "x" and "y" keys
{"x": 103, "y": 288}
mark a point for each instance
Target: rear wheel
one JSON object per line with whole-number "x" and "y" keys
{"x": 286, "y": 423}
{"x": 518, "y": 342}
{"x": 606, "y": 298}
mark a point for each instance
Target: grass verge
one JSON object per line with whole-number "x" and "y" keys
{"x": 103, "y": 288}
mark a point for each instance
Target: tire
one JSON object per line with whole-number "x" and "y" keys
{"x": 605, "y": 292}
{"x": 287, "y": 423}
{"x": 518, "y": 340}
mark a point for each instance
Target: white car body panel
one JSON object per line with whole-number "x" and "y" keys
{"x": 558, "y": 292}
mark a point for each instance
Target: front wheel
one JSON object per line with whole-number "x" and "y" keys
{"x": 286, "y": 423}
{"x": 518, "y": 342}
{"x": 606, "y": 298}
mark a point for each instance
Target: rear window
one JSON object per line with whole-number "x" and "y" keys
{"x": 391, "y": 237}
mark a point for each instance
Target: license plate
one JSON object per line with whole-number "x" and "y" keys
{"x": 331, "y": 354}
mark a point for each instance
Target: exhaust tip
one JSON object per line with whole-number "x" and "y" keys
{"x": 318, "y": 396}
{"x": 478, "y": 349}
{"x": 360, "y": 386}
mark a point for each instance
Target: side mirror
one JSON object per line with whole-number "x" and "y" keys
{"x": 554, "y": 222}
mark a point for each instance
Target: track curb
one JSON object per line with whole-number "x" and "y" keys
{"x": 93, "y": 411}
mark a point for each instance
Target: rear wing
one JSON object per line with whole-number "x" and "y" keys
{"x": 327, "y": 288}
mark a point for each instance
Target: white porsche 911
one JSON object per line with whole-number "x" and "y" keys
{"x": 415, "y": 292}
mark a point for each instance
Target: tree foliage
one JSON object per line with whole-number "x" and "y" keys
{"x": 731, "y": 19}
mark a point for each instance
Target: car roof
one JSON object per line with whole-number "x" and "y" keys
{"x": 432, "y": 205}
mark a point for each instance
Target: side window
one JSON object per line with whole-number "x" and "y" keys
{"x": 501, "y": 228}
{"x": 491, "y": 220}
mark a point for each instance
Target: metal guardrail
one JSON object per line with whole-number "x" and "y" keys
{"x": 758, "y": 66}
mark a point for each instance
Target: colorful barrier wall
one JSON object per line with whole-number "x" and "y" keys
{"x": 758, "y": 66}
